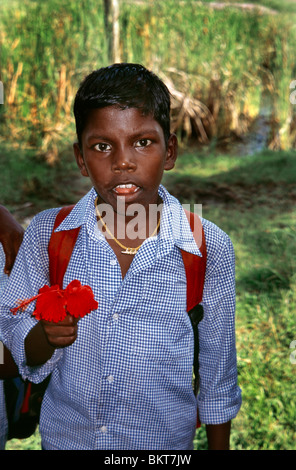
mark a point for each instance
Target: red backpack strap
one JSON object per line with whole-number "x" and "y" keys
{"x": 195, "y": 266}
{"x": 195, "y": 269}
{"x": 60, "y": 248}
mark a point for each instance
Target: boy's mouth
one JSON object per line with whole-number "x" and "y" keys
{"x": 126, "y": 189}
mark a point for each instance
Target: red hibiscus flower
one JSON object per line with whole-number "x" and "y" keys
{"x": 80, "y": 299}
{"x": 53, "y": 303}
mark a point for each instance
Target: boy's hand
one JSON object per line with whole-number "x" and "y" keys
{"x": 45, "y": 337}
{"x": 61, "y": 334}
{"x": 11, "y": 236}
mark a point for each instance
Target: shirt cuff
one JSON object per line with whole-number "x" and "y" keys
{"x": 219, "y": 411}
{"x": 33, "y": 374}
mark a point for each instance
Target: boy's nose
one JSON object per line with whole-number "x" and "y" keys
{"x": 123, "y": 161}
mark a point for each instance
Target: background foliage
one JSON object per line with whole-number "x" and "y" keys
{"x": 228, "y": 59}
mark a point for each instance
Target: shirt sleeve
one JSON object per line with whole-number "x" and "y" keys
{"x": 29, "y": 274}
{"x": 219, "y": 397}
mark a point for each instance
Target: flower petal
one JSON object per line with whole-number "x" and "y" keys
{"x": 80, "y": 299}
{"x": 50, "y": 305}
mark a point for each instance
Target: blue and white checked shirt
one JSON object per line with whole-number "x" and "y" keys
{"x": 126, "y": 382}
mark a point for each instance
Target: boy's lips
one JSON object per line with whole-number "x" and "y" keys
{"x": 126, "y": 189}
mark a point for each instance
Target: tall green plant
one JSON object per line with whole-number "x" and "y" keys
{"x": 231, "y": 58}
{"x": 46, "y": 49}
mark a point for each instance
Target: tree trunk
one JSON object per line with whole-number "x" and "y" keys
{"x": 111, "y": 20}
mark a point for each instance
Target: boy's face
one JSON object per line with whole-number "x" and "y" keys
{"x": 124, "y": 154}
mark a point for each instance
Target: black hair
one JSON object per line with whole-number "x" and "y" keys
{"x": 125, "y": 85}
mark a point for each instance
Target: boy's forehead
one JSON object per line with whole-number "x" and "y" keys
{"x": 140, "y": 111}
{"x": 120, "y": 116}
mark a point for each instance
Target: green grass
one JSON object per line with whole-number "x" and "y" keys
{"x": 31, "y": 443}
{"x": 29, "y": 185}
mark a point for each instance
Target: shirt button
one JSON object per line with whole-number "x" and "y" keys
{"x": 110, "y": 378}
{"x": 113, "y": 262}
{"x": 115, "y": 316}
{"x": 103, "y": 429}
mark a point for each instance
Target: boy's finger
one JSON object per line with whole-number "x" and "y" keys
{"x": 63, "y": 333}
{"x": 61, "y": 336}
{"x": 9, "y": 260}
{"x": 61, "y": 341}
{"x": 69, "y": 320}
{"x": 56, "y": 329}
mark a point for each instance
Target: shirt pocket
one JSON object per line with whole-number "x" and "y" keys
{"x": 162, "y": 340}
{"x": 164, "y": 289}
{"x": 162, "y": 326}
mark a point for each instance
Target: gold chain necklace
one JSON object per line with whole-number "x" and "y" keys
{"x": 127, "y": 250}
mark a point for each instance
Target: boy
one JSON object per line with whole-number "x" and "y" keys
{"x": 122, "y": 375}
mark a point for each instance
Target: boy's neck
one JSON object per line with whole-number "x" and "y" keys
{"x": 125, "y": 234}
{"x": 129, "y": 228}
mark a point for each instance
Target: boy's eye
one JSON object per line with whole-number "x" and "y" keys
{"x": 143, "y": 143}
{"x": 102, "y": 147}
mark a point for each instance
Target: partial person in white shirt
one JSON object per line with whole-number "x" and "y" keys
{"x": 11, "y": 235}
{"x": 3, "y": 419}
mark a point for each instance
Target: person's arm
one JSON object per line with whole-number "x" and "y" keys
{"x": 29, "y": 274}
{"x": 11, "y": 236}
{"x": 218, "y": 436}
{"x": 45, "y": 337}
{"x": 219, "y": 397}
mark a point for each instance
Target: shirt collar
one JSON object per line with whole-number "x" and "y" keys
{"x": 174, "y": 228}
{"x": 83, "y": 213}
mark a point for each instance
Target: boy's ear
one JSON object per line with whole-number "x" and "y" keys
{"x": 79, "y": 159}
{"x": 172, "y": 152}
